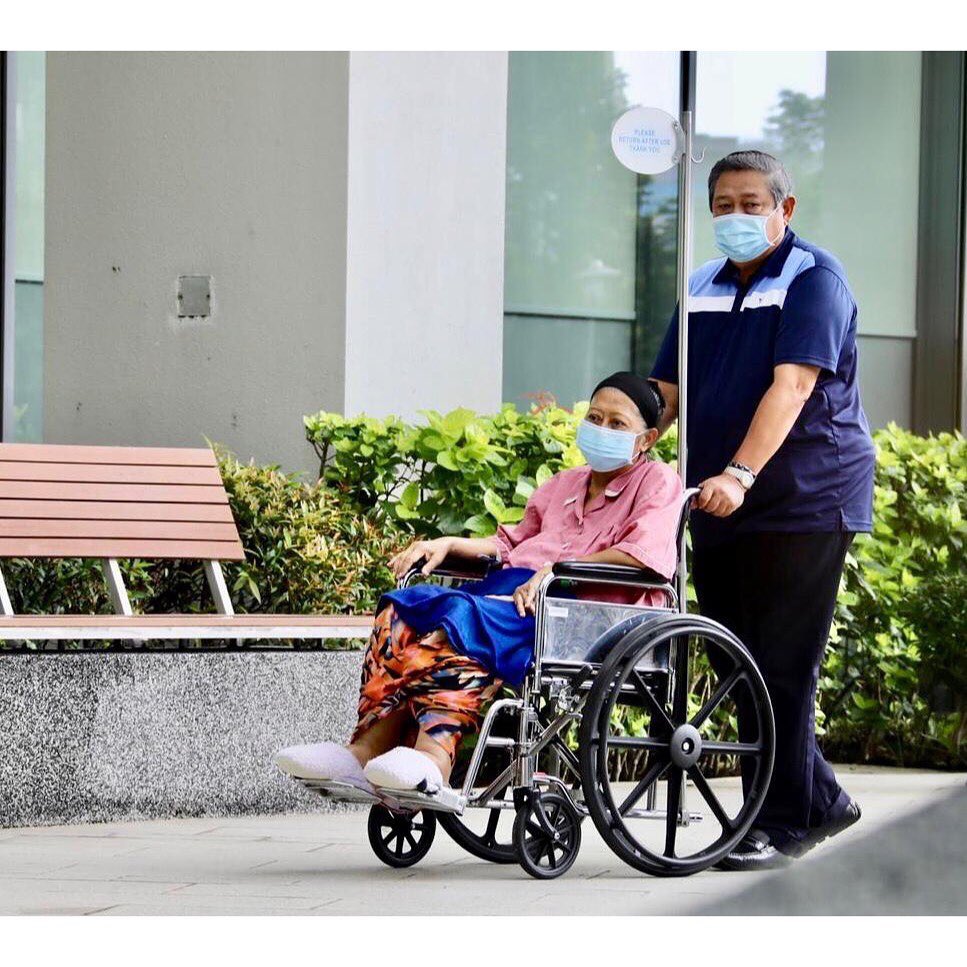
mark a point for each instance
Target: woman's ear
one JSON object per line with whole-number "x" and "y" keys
{"x": 648, "y": 439}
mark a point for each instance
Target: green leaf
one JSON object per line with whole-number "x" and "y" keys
{"x": 479, "y": 525}
{"x": 446, "y": 460}
{"x": 410, "y": 496}
{"x": 523, "y": 490}
{"x": 494, "y": 505}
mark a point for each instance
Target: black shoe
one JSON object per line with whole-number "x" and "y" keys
{"x": 755, "y": 852}
{"x": 814, "y": 837}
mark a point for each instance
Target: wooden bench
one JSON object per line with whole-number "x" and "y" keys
{"x": 111, "y": 503}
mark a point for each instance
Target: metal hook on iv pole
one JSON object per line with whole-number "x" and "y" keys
{"x": 680, "y": 153}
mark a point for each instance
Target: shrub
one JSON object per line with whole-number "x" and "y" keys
{"x": 874, "y": 696}
{"x": 456, "y": 472}
{"x": 305, "y": 550}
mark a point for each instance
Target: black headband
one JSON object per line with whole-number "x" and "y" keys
{"x": 642, "y": 392}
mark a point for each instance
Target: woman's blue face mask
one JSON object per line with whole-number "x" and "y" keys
{"x": 605, "y": 449}
{"x": 743, "y": 237}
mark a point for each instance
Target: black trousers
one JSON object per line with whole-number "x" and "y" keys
{"x": 777, "y": 592}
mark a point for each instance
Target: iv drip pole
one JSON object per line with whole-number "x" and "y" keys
{"x": 687, "y": 133}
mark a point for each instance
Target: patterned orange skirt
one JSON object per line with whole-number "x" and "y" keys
{"x": 443, "y": 690}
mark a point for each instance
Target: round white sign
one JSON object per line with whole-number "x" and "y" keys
{"x": 646, "y": 140}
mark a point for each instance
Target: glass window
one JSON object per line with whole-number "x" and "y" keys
{"x": 847, "y": 126}
{"x": 577, "y": 253}
{"x": 590, "y": 253}
{"x": 27, "y": 127}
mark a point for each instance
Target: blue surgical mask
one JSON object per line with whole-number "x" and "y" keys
{"x": 605, "y": 449}
{"x": 743, "y": 237}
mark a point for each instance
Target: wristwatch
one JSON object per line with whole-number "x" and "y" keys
{"x": 742, "y": 473}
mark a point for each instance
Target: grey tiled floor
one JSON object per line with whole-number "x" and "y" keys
{"x": 322, "y": 863}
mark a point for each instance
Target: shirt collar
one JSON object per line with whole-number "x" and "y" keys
{"x": 618, "y": 484}
{"x": 771, "y": 268}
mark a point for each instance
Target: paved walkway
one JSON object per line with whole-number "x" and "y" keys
{"x": 322, "y": 863}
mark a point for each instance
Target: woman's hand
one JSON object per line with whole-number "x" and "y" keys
{"x": 720, "y": 496}
{"x": 434, "y": 551}
{"x": 525, "y": 594}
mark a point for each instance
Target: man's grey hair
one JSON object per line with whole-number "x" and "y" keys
{"x": 780, "y": 184}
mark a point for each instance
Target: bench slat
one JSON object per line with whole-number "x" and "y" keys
{"x": 113, "y": 510}
{"x": 105, "y": 529}
{"x": 179, "y": 626}
{"x": 220, "y": 621}
{"x": 152, "y": 456}
{"x": 107, "y": 473}
{"x": 129, "y": 548}
{"x": 163, "y": 493}
{"x": 114, "y": 502}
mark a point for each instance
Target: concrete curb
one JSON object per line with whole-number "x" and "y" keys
{"x": 95, "y": 738}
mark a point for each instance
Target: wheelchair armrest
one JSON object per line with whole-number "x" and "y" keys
{"x": 609, "y": 573}
{"x": 462, "y": 567}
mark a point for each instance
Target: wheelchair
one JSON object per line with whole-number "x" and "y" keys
{"x": 624, "y": 716}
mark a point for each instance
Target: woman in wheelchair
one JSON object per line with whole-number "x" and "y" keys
{"x": 437, "y": 655}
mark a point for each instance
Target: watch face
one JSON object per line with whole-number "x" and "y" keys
{"x": 743, "y": 476}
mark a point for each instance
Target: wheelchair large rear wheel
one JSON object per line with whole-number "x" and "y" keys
{"x": 660, "y": 751}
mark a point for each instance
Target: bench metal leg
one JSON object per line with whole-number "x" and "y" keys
{"x": 115, "y": 586}
{"x": 219, "y": 590}
{"x": 6, "y": 608}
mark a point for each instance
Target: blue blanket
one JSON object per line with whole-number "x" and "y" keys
{"x": 491, "y": 632}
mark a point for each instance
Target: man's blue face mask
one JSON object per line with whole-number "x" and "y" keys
{"x": 605, "y": 450}
{"x": 743, "y": 237}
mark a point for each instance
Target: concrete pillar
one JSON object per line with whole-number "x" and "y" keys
{"x": 425, "y": 241}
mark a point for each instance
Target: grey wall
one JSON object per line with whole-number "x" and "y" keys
{"x": 229, "y": 165}
{"x": 425, "y": 283}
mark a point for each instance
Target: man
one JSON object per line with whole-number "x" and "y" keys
{"x": 779, "y": 443}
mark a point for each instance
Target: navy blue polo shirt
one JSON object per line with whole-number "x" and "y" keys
{"x": 797, "y": 308}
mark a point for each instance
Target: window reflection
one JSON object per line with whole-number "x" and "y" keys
{"x": 578, "y": 259}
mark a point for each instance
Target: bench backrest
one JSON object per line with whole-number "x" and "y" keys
{"x": 114, "y": 502}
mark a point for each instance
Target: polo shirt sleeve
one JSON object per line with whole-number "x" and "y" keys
{"x": 666, "y": 363}
{"x": 816, "y": 318}
{"x": 649, "y": 534}
{"x": 508, "y": 536}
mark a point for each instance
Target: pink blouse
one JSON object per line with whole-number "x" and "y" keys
{"x": 637, "y": 513}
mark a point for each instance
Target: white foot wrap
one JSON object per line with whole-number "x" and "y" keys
{"x": 404, "y": 768}
{"x": 324, "y": 760}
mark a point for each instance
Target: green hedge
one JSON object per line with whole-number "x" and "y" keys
{"x": 455, "y": 473}
{"x": 893, "y": 687}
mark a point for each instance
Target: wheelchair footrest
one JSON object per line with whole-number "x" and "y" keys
{"x": 339, "y": 791}
{"x": 445, "y": 800}
{"x": 400, "y": 800}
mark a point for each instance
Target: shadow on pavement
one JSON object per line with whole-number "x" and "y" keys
{"x": 916, "y": 865}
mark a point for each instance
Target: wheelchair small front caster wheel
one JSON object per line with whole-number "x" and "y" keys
{"x": 400, "y": 839}
{"x": 547, "y": 834}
